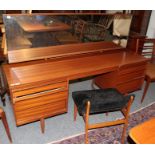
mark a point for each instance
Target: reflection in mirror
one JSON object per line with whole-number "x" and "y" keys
{"x": 33, "y": 31}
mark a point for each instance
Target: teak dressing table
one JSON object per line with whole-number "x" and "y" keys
{"x": 39, "y": 88}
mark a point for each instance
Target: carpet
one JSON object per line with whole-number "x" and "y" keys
{"x": 112, "y": 135}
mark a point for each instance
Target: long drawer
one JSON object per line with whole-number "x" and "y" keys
{"x": 40, "y": 100}
{"x": 42, "y": 111}
{"x": 131, "y": 68}
{"x": 123, "y": 78}
{"x": 36, "y": 91}
{"x": 130, "y": 86}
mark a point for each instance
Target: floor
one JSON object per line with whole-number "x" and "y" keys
{"x": 62, "y": 126}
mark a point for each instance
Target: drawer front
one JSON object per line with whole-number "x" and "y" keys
{"x": 123, "y": 78}
{"x": 42, "y": 111}
{"x": 37, "y": 91}
{"x": 40, "y": 101}
{"x": 130, "y": 69}
{"x": 130, "y": 86}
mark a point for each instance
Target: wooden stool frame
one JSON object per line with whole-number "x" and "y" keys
{"x": 124, "y": 121}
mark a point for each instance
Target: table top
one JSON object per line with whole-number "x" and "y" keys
{"x": 144, "y": 133}
{"x": 69, "y": 69}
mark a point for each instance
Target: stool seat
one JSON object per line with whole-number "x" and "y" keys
{"x": 102, "y": 100}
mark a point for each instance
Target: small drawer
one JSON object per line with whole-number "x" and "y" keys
{"x": 130, "y": 86}
{"x": 132, "y": 68}
{"x": 34, "y": 114}
{"x": 130, "y": 76}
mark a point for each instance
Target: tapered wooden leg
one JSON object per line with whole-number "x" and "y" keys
{"x": 42, "y": 124}
{"x": 87, "y": 122}
{"x": 86, "y": 134}
{"x": 145, "y": 89}
{"x": 4, "y": 120}
{"x": 75, "y": 112}
{"x": 124, "y": 133}
{"x": 125, "y": 112}
{"x": 92, "y": 85}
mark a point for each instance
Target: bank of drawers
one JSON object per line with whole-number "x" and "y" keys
{"x": 39, "y": 101}
{"x": 127, "y": 79}
{"x": 130, "y": 78}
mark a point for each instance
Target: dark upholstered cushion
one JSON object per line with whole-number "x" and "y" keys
{"x": 101, "y": 100}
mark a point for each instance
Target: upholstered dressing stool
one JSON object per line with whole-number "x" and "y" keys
{"x": 4, "y": 121}
{"x": 102, "y": 101}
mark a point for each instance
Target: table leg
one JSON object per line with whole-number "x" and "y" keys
{"x": 42, "y": 124}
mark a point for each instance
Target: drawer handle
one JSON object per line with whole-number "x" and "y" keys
{"x": 38, "y": 93}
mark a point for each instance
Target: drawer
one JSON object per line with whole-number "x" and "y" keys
{"x": 47, "y": 110}
{"x": 132, "y": 68}
{"x": 40, "y": 101}
{"x": 130, "y": 86}
{"x": 38, "y": 91}
{"x": 130, "y": 76}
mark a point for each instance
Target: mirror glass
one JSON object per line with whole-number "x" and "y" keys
{"x": 43, "y": 30}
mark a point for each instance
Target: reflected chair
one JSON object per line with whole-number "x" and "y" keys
{"x": 76, "y": 36}
{"x": 147, "y": 50}
{"x": 121, "y": 28}
{"x": 89, "y": 102}
{"x": 4, "y": 121}
{"x": 3, "y": 43}
{"x": 97, "y": 31}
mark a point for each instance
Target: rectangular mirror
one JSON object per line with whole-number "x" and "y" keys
{"x": 34, "y": 31}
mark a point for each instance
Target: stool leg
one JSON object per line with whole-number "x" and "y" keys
{"x": 87, "y": 122}
{"x": 75, "y": 112}
{"x": 86, "y": 132}
{"x": 4, "y": 120}
{"x": 42, "y": 124}
{"x": 124, "y": 132}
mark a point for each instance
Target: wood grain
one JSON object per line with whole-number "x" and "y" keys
{"x": 40, "y": 90}
{"x": 16, "y": 56}
{"x": 144, "y": 132}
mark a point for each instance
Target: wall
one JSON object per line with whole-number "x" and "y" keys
{"x": 151, "y": 27}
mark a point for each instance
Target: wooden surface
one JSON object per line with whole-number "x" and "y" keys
{"x": 35, "y": 26}
{"x": 144, "y": 133}
{"x": 22, "y": 55}
{"x": 70, "y": 69}
{"x": 40, "y": 90}
{"x": 126, "y": 79}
